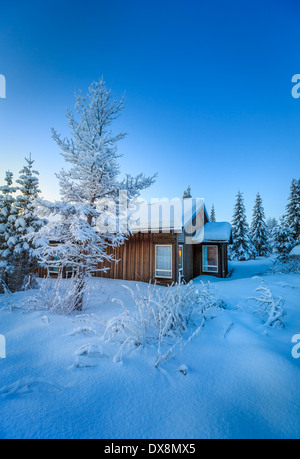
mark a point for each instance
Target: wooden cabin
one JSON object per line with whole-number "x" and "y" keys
{"x": 170, "y": 241}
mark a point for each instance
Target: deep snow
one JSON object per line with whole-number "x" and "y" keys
{"x": 241, "y": 381}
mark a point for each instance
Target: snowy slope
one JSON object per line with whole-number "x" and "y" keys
{"x": 240, "y": 382}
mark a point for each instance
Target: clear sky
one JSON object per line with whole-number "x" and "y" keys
{"x": 208, "y": 90}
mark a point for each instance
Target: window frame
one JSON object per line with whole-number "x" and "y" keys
{"x": 167, "y": 271}
{"x": 210, "y": 266}
{"x": 180, "y": 268}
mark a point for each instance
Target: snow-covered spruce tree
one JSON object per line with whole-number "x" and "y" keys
{"x": 272, "y": 223}
{"x": 283, "y": 240}
{"x": 293, "y": 209}
{"x": 259, "y": 230}
{"x": 8, "y": 238}
{"x": 212, "y": 214}
{"x": 93, "y": 179}
{"x": 187, "y": 194}
{"x": 27, "y": 221}
{"x": 242, "y": 248}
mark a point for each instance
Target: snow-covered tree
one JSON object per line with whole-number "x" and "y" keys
{"x": 212, "y": 214}
{"x": 187, "y": 194}
{"x": 283, "y": 240}
{"x": 89, "y": 189}
{"x": 8, "y": 239}
{"x": 242, "y": 248}
{"x": 272, "y": 223}
{"x": 27, "y": 220}
{"x": 259, "y": 230}
{"x": 293, "y": 209}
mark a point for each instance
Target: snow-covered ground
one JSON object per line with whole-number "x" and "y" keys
{"x": 241, "y": 381}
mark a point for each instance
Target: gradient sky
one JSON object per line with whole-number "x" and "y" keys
{"x": 208, "y": 91}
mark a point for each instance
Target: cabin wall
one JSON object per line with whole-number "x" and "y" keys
{"x": 137, "y": 259}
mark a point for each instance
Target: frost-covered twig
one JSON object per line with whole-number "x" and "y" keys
{"x": 269, "y": 306}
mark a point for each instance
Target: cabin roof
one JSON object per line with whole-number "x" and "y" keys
{"x": 214, "y": 232}
{"x": 165, "y": 215}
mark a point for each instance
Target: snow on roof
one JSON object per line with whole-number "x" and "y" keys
{"x": 295, "y": 251}
{"x": 214, "y": 232}
{"x": 165, "y": 215}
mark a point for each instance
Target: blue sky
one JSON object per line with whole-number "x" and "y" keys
{"x": 208, "y": 91}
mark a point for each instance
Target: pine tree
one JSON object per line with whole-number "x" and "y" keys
{"x": 212, "y": 214}
{"x": 8, "y": 239}
{"x": 89, "y": 189}
{"x": 187, "y": 194}
{"x": 293, "y": 209}
{"x": 272, "y": 223}
{"x": 283, "y": 240}
{"x": 259, "y": 230}
{"x": 27, "y": 220}
{"x": 242, "y": 248}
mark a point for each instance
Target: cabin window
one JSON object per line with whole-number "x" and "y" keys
{"x": 163, "y": 261}
{"x": 210, "y": 261}
{"x": 180, "y": 258}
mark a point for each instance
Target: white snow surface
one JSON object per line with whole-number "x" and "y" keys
{"x": 214, "y": 232}
{"x": 295, "y": 251}
{"x": 59, "y": 381}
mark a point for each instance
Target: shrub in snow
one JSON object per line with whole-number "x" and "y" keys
{"x": 57, "y": 295}
{"x": 242, "y": 248}
{"x": 271, "y": 309}
{"x": 288, "y": 265}
{"x": 160, "y": 315}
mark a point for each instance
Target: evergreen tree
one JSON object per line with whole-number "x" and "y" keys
{"x": 8, "y": 239}
{"x": 27, "y": 221}
{"x": 272, "y": 223}
{"x": 259, "y": 230}
{"x": 212, "y": 214}
{"x": 88, "y": 189}
{"x": 293, "y": 209}
{"x": 187, "y": 194}
{"x": 283, "y": 240}
{"x": 242, "y": 248}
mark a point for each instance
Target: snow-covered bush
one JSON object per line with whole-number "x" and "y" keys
{"x": 161, "y": 314}
{"x": 271, "y": 309}
{"x": 290, "y": 265}
{"x": 57, "y": 295}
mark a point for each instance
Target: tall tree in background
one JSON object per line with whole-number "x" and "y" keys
{"x": 242, "y": 248}
{"x": 283, "y": 240}
{"x": 27, "y": 221}
{"x": 92, "y": 180}
{"x": 187, "y": 194}
{"x": 272, "y": 223}
{"x": 212, "y": 214}
{"x": 293, "y": 209}
{"x": 8, "y": 239}
{"x": 259, "y": 230}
